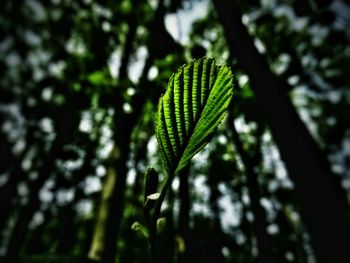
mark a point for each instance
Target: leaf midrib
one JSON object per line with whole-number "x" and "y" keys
{"x": 198, "y": 117}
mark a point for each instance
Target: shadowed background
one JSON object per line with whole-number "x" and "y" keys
{"x": 79, "y": 85}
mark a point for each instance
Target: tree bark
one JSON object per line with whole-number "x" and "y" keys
{"x": 323, "y": 203}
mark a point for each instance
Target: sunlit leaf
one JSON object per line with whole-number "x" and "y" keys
{"x": 192, "y": 107}
{"x": 154, "y": 196}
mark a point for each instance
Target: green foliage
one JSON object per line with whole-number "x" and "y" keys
{"x": 82, "y": 76}
{"x": 136, "y": 226}
{"x": 193, "y": 105}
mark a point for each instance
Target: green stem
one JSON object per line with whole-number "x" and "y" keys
{"x": 153, "y": 250}
{"x": 161, "y": 198}
{"x": 153, "y": 220}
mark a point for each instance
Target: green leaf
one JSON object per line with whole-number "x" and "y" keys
{"x": 96, "y": 78}
{"x": 136, "y": 226}
{"x": 161, "y": 222}
{"x": 192, "y": 107}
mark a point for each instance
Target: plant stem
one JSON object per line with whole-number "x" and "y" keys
{"x": 161, "y": 198}
{"x": 153, "y": 248}
{"x": 152, "y": 226}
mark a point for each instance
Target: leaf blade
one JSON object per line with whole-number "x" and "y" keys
{"x": 189, "y": 112}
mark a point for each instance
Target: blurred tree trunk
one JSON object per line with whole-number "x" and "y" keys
{"x": 5, "y": 192}
{"x": 36, "y": 243}
{"x": 20, "y": 229}
{"x": 265, "y": 247}
{"x": 184, "y": 216}
{"x": 123, "y": 126}
{"x": 9, "y": 190}
{"x": 323, "y": 202}
{"x": 166, "y": 238}
{"x": 216, "y": 240}
{"x": 104, "y": 241}
{"x": 6, "y": 197}
{"x": 140, "y": 156}
{"x": 105, "y": 246}
{"x": 109, "y": 220}
{"x": 67, "y": 234}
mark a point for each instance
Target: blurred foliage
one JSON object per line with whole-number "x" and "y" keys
{"x": 79, "y": 85}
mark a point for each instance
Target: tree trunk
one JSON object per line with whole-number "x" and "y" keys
{"x": 124, "y": 123}
{"x": 323, "y": 203}
{"x": 8, "y": 191}
{"x": 110, "y": 213}
{"x": 20, "y": 229}
{"x": 265, "y": 248}
{"x": 105, "y": 236}
{"x": 184, "y": 215}
{"x": 115, "y": 210}
{"x": 217, "y": 240}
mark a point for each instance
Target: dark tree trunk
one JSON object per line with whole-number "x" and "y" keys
{"x": 36, "y": 243}
{"x": 67, "y": 234}
{"x": 184, "y": 215}
{"x": 166, "y": 238}
{"x": 6, "y": 158}
{"x": 128, "y": 49}
{"x": 8, "y": 191}
{"x": 217, "y": 240}
{"x": 265, "y": 248}
{"x": 110, "y": 214}
{"x": 116, "y": 208}
{"x": 20, "y": 230}
{"x": 124, "y": 124}
{"x": 107, "y": 229}
{"x": 323, "y": 203}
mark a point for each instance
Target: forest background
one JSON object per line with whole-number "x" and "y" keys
{"x": 79, "y": 86}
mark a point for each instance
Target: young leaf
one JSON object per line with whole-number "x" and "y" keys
{"x": 136, "y": 226}
{"x": 193, "y": 105}
{"x": 154, "y": 196}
